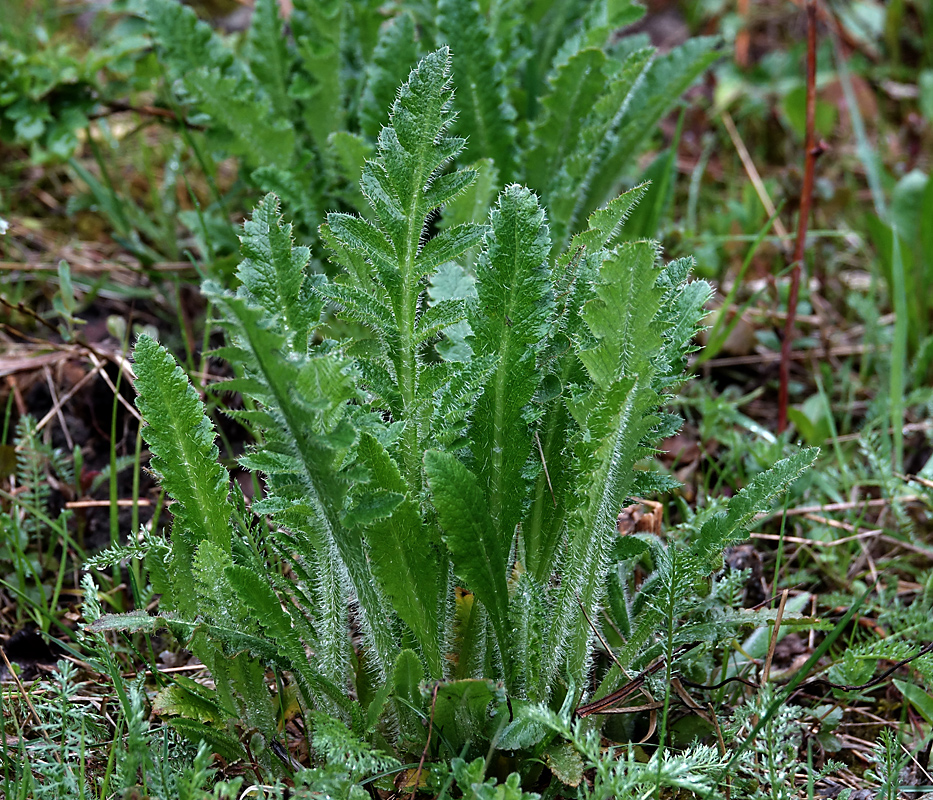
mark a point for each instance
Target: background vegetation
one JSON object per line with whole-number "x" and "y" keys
{"x": 225, "y": 180}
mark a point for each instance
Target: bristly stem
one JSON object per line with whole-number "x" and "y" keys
{"x": 806, "y": 197}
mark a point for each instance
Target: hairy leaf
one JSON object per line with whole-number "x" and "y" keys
{"x": 510, "y": 319}
{"x": 319, "y": 31}
{"x": 485, "y": 113}
{"x": 650, "y": 97}
{"x": 404, "y": 186}
{"x": 307, "y": 398}
{"x": 621, "y": 316}
{"x": 393, "y": 58}
{"x": 615, "y": 417}
{"x": 273, "y": 272}
{"x": 269, "y": 56}
{"x": 732, "y": 525}
{"x": 403, "y": 556}
{"x": 575, "y": 88}
{"x": 257, "y": 594}
{"x": 480, "y": 552}
{"x": 185, "y": 458}
{"x": 567, "y": 186}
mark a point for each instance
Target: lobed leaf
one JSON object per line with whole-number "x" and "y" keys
{"x": 273, "y": 271}
{"x": 650, "y": 97}
{"x": 269, "y": 56}
{"x": 731, "y": 526}
{"x": 395, "y": 54}
{"x": 575, "y": 87}
{"x": 621, "y": 316}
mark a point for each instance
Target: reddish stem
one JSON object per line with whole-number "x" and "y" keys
{"x": 806, "y": 199}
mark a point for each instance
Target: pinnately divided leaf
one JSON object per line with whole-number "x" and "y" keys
{"x": 307, "y": 399}
{"x": 615, "y": 417}
{"x": 273, "y": 272}
{"x": 255, "y": 592}
{"x": 666, "y": 78}
{"x": 575, "y": 87}
{"x": 405, "y": 184}
{"x": 393, "y": 58}
{"x": 269, "y": 54}
{"x": 732, "y": 525}
{"x": 621, "y": 315}
{"x": 485, "y": 111}
{"x": 442, "y": 456}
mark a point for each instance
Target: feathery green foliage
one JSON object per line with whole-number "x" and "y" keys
{"x": 27, "y": 522}
{"x": 547, "y": 95}
{"x": 62, "y": 738}
{"x": 541, "y": 93}
{"x": 391, "y": 475}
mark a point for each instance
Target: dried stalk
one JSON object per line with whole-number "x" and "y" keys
{"x": 812, "y": 150}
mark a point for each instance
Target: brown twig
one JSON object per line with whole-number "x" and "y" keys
{"x": 766, "y": 672}
{"x": 599, "y": 636}
{"x": 22, "y": 308}
{"x": 797, "y": 355}
{"x": 806, "y": 198}
{"x": 60, "y": 402}
{"x": 853, "y": 505}
{"x": 877, "y": 680}
{"x": 753, "y": 175}
{"x": 743, "y": 37}
{"x": 603, "y": 705}
{"x": 25, "y": 695}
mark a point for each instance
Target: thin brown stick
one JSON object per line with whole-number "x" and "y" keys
{"x": 141, "y": 501}
{"x": 916, "y": 478}
{"x": 753, "y": 175}
{"x": 910, "y": 427}
{"x": 875, "y": 502}
{"x": 721, "y": 742}
{"x": 103, "y": 373}
{"x": 799, "y": 355}
{"x": 599, "y": 636}
{"x": 610, "y": 700}
{"x": 56, "y": 409}
{"x": 652, "y": 706}
{"x": 743, "y": 36}
{"x": 22, "y": 308}
{"x": 25, "y": 696}
{"x": 766, "y": 672}
{"x": 636, "y": 683}
{"x": 815, "y": 542}
{"x": 157, "y": 112}
{"x": 806, "y": 200}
